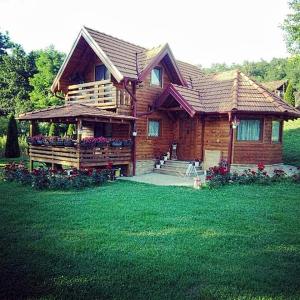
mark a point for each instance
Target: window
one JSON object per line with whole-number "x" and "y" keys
{"x": 103, "y": 129}
{"x": 276, "y": 131}
{"x": 156, "y": 76}
{"x": 101, "y": 73}
{"x": 153, "y": 128}
{"x": 249, "y": 130}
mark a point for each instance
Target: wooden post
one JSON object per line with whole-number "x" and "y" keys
{"x": 230, "y": 144}
{"x": 31, "y": 134}
{"x": 79, "y": 135}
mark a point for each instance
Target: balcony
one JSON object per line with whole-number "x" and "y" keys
{"x": 102, "y": 94}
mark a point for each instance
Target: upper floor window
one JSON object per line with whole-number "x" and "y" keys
{"x": 101, "y": 73}
{"x": 156, "y": 76}
{"x": 249, "y": 130}
{"x": 276, "y": 135}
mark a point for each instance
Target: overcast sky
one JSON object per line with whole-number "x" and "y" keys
{"x": 199, "y": 32}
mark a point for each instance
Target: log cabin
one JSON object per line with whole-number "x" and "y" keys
{"x": 119, "y": 90}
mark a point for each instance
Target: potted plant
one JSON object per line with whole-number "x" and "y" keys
{"x": 157, "y": 164}
{"x": 165, "y": 156}
{"x": 60, "y": 142}
{"x": 197, "y": 162}
{"x": 162, "y": 161}
{"x": 127, "y": 143}
{"x": 101, "y": 141}
{"x": 52, "y": 140}
{"x": 68, "y": 142}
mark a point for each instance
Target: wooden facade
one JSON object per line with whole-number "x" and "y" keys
{"x": 197, "y": 113}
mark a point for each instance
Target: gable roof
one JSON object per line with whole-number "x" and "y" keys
{"x": 123, "y": 59}
{"x": 231, "y": 91}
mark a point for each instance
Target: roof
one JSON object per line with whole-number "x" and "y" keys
{"x": 274, "y": 85}
{"x": 231, "y": 91}
{"x": 71, "y": 111}
{"x": 127, "y": 60}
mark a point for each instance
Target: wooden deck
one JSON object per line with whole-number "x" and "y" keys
{"x": 80, "y": 158}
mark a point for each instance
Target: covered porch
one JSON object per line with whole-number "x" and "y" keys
{"x": 101, "y": 138}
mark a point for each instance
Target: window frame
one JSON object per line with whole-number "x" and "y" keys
{"x": 280, "y": 132}
{"x": 159, "y": 128}
{"x": 261, "y": 133}
{"x": 161, "y": 77}
{"x": 100, "y": 65}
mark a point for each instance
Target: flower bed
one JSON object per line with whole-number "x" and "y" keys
{"x": 43, "y": 178}
{"x": 219, "y": 175}
{"x": 50, "y": 141}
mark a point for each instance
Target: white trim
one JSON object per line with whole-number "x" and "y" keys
{"x": 98, "y": 51}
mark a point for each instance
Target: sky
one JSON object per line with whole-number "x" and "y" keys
{"x": 199, "y": 32}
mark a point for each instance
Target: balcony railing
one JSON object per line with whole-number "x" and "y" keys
{"x": 98, "y": 93}
{"x": 81, "y": 158}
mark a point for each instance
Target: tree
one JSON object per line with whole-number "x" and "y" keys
{"x": 53, "y": 130}
{"x": 15, "y": 70}
{"x": 71, "y": 130}
{"x": 289, "y": 95}
{"x": 47, "y": 63}
{"x": 5, "y": 43}
{"x": 291, "y": 26}
{"x": 12, "y": 148}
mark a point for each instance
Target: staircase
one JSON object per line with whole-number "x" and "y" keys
{"x": 176, "y": 168}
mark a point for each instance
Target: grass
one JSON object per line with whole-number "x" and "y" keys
{"x": 291, "y": 142}
{"x": 136, "y": 241}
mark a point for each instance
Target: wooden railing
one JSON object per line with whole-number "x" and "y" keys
{"x": 98, "y": 93}
{"x": 80, "y": 158}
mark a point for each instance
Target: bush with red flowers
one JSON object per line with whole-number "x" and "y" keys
{"x": 219, "y": 176}
{"x": 43, "y": 178}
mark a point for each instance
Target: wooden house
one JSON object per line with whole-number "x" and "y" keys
{"x": 119, "y": 90}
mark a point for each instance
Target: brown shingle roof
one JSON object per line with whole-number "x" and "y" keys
{"x": 71, "y": 111}
{"x": 233, "y": 91}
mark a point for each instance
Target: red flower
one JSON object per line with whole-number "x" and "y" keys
{"x": 260, "y": 166}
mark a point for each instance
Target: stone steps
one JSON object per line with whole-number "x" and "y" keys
{"x": 176, "y": 168}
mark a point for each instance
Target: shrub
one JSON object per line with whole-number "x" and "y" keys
{"x": 71, "y": 130}
{"x": 12, "y": 148}
{"x": 53, "y": 130}
{"x": 289, "y": 95}
{"x": 43, "y": 178}
{"x": 219, "y": 176}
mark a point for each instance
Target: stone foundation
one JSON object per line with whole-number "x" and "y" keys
{"x": 144, "y": 166}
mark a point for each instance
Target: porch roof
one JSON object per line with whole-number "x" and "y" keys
{"x": 70, "y": 111}
{"x": 227, "y": 92}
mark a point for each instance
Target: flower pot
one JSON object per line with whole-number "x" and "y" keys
{"x": 162, "y": 161}
{"x": 157, "y": 166}
{"x": 116, "y": 143}
{"x": 165, "y": 157}
{"x": 68, "y": 143}
{"x": 197, "y": 163}
{"x": 127, "y": 143}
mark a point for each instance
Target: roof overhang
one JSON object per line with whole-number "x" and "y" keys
{"x": 98, "y": 51}
{"x": 171, "y": 91}
{"x": 165, "y": 51}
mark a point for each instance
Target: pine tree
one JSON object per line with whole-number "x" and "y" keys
{"x": 71, "y": 130}
{"x": 12, "y": 148}
{"x": 53, "y": 130}
{"x": 289, "y": 95}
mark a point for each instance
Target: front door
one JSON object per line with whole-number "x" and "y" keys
{"x": 186, "y": 139}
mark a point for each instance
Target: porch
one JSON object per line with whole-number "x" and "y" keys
{"x": 101, "y": 138}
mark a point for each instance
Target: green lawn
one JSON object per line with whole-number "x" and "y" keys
{"x": 291, "y": 142}
{"x": 135, "y": 241}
